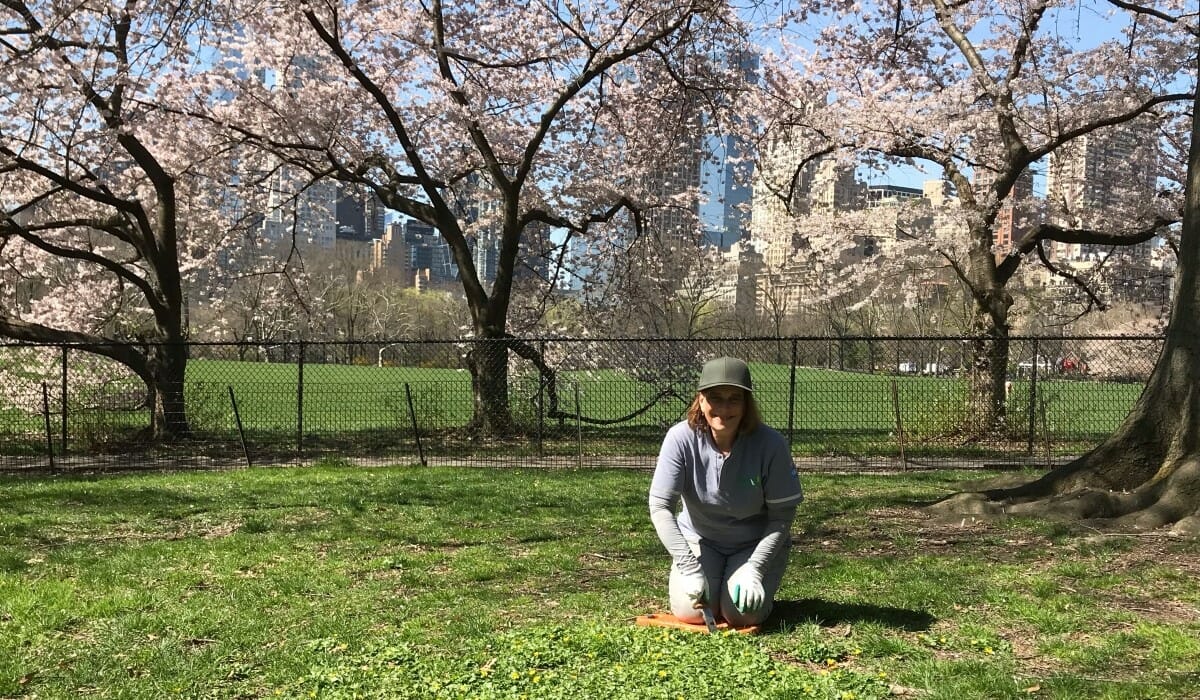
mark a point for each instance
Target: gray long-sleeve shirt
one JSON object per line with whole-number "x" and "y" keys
{"x": 746, "y": 499}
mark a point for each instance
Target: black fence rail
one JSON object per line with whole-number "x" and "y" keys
{"x": 845, "y": 403}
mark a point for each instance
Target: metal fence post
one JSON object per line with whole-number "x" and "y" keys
{"x": 541, "y": 403}
{"x": 899, "y": 425}
{"x": 412, "y": 414}
{"x": 46, "y": 417}
{"x": 578, "y": 427}
{"x": 1033, "y": 376}
{"x": 300, "y": 404}
{"x": 65, "y": 350}
{"x": 237, "y": 417}
{"x": 792, "y": 393}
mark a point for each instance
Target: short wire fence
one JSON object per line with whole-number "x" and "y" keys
{"x": 845, "y": 403}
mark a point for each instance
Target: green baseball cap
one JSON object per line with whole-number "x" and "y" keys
{"x": 725, "y": 371}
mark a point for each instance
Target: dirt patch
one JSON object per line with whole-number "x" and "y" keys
{"x": 906, "y": 532}
{"x": 1153, "y": 609}
{"x": 912, "y": 531}
{"x": 168, "y": 530}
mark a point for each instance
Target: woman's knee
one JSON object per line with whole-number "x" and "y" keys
{"x": 686, "y": 612}
{"x": 737, "y": 618}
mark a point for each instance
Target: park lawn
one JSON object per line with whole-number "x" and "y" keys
{"x": 357, "y": 397}
{"x": 349, "y": 397}
{"x": 353, "y": 397}
{"x": 406, "y": 582}
{"x": 338, "y": 397}
{"x": 373, "y": 409}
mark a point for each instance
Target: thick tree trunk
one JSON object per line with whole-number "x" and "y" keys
{"x": 160, "y": 366}
{"x": 1146, "y": 475}
{"x": 488, "y": 363}
{"x": 988, "y": 372}
{"x": 166, "y": 367}
{"x": 988, "y": 375}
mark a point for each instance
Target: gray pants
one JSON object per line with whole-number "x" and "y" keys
{"x": 718, "y": 568}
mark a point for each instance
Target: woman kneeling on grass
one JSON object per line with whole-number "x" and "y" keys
{"x": 740, "y": 491}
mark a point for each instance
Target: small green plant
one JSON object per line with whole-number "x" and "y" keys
{"x": 209, "y": 408}
{"x": 575, "y": 661}
{"x": 940, "y": 415}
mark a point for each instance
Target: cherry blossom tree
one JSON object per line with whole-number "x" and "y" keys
{"x": 1146, "y": 475}
{"x": 481, "y": 119}
{"x": 981, "y": 94}
{"x": 104, "y": 197}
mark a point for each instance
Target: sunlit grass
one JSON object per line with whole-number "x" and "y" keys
{"x": 407, "y": 582}
{"x": 370, "y": 411}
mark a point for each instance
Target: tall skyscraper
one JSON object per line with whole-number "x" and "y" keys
{"x": 726, "y": 170}
{"x": 429, "y": 253}
{"x": 1104, "y": 179}
{"x": 1017, "y": 211}
{"x": 537, "y": 249}
{"x": 674, "y": 184}
{"x": 790, "y": 184}
{"x": 360, "y": 213}
{"x": 301, "y": 211}
{"x": 486, "y": 256}
{"x": 392, "y": 252}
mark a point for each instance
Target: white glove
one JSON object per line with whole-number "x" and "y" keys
{"x": 746, "y": 589}
{"x": 694, "y": 587}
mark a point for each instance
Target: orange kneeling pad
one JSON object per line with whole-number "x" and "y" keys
{"x": 669, "y": 620}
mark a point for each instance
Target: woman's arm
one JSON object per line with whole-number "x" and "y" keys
{"x": 662, "y": 514}
{"x": 776, "y": 534}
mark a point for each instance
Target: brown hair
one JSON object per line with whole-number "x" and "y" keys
{"x": 751, "y": 418}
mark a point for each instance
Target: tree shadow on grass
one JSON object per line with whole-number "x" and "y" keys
{"x": 829, "y": 614}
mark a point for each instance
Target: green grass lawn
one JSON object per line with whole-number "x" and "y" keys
{"x": 824, "y": 399}
{"x": 349, "y": 397}
{"x": 367, "y": 409}
{"x": 334, "y": 582}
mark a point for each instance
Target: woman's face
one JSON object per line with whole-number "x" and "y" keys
{"x": 723, "y": 407}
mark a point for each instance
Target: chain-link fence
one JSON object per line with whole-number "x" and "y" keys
{"x": 844, "y": 402}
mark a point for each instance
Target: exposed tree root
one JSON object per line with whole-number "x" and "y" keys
{"x": 1168, "y": 499}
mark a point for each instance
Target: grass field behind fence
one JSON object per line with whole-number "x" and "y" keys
{"x": 434, "y": 583}
{"x": 365, "y": 397}
{"x": 833, "y": 411}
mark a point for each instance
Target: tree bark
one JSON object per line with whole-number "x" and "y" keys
{"x": 989, "y": 364}
{"x": 166, "y": 367}
{"x": 988, "y": 376}
{"x": 488, "y": 363}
